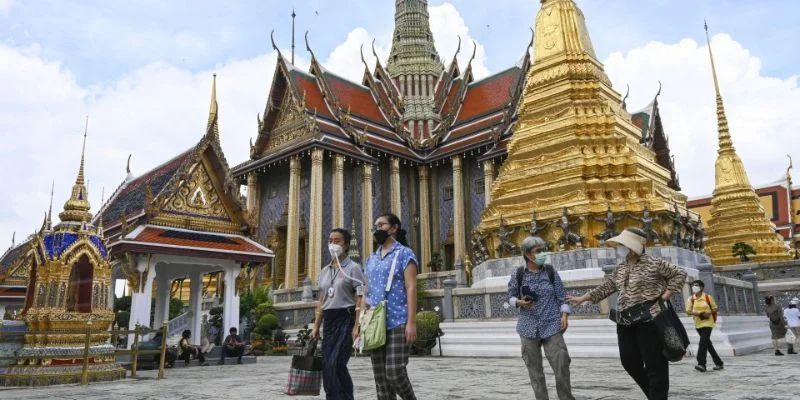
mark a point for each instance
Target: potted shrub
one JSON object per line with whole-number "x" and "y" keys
{"x": 427, "y": 332}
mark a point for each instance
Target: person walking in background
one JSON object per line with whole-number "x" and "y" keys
{"x": 538, "y": 291}
{"x": 393, "y": 257}
{"x": 792, "y": 316}
{"x": 704, "y": 310}
{"x": 777, "y": 325}
{"x": 341, "y": 285}
{"x": 641, "y": 281}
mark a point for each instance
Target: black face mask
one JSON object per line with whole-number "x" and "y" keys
{"x": 380, "y": 236}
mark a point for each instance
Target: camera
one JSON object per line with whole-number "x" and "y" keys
{"x": 529, "y": 295}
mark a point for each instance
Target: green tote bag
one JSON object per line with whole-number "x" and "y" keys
{"x": 373, "y": 321}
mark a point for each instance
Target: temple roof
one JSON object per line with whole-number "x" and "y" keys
{"x": 129, "y": 198}
{"x": 648, "y": 119}
{"x": 356, "y": 119}
{"x": 12, "y": 256}
{"x": 193, "y": 190}
{"x": 173, "y": 241}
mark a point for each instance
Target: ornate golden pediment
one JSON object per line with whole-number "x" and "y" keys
{"x": 198, "y": 196}
{"x": 290, "y": 124}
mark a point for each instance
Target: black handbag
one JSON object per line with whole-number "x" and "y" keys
{"x": 635, "y": 314}
{"x": 671, "y": 331}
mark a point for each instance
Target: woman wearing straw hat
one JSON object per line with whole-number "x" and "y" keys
{"x": 641, "y": 280}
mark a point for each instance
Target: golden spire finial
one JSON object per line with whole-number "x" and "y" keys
{"x": 102, "y": 202}
{"x": 725, "y": 143}
{"x": 76, "y": 209}
{"x": 79, "y": 180}
{"x": 50, "y": 209}
{"x": 212, "y": 128}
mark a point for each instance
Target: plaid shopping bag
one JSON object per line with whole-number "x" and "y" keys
{"x": 305, "y": 375}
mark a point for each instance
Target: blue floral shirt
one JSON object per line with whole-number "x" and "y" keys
{"x": 544, "y": 318}
{"x": 377, "y": 272}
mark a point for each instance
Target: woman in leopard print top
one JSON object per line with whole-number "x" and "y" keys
{"x": 640, "y": 279}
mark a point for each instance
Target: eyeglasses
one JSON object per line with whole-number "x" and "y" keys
{"x": 378, "y": 225}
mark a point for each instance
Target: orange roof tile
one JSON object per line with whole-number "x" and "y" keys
{"x": 314, "y": 101}
{"x": 356, "y": 97}
{"x": 489, "y": 94}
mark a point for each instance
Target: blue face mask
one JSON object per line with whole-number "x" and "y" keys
{"x": 541, "y": 258}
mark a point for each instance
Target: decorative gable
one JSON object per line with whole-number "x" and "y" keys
{"x": 198, "y": 203}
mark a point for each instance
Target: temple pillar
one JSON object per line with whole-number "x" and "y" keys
{"x": 396, "y": 204}
{"x": 252, "y": 194}
{"x": 488, "y": 177}
{"x": 293, "y": 224}
{"x": 196, "y": 305}
{"x": 459, "y": 246}
{"x": 162, "y": 300}
{"x": 230, "y": 306}
{"x": 338, "y": 191}
{"x": 424, "y": 219}
{"x": 366, "y": 210}
{"x": 314, "y": 258}
{"x": 141, "y": 296}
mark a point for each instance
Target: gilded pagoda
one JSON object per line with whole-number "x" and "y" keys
{"x": 576, "y": 150}
{"x": 736, "y": 212}
{"x": 69, "y": 292}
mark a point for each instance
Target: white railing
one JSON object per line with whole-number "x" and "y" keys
{"x": 178, "y": 324}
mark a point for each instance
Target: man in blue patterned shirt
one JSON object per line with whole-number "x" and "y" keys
{"x": 537, "y": 290}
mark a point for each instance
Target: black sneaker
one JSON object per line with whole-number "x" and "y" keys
{"x": 778, "y": 353}
{"x": 701, "y": 368}
{"x": 718, "y": 367}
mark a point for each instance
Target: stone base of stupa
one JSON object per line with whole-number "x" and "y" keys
{"x": 43, "y": 366}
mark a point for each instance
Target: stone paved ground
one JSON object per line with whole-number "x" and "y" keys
{"x": 759, "y": 376}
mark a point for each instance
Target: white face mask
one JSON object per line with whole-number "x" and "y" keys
{"x": 696, "y": 289}
{"x": 335, "y": 250}
{"x": 622, "y": 252}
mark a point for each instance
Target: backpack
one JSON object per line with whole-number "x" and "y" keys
{"x": 708, "y": 301}
{"x": 551, "y": 275}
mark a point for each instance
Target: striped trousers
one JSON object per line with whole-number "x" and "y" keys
{"x": 389, "y": 367}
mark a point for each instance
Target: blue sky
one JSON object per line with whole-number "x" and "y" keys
{"x": 101, "y": 40}
{"x": 142, "y": 71}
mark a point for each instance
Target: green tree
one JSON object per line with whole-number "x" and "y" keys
{"x": 743, "y": 250}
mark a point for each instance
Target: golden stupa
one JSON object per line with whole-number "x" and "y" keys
{"x": 574, "y": 145}
{"x": 736, "y": 213}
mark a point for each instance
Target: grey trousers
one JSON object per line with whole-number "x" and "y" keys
{"x": 556, "y": 352}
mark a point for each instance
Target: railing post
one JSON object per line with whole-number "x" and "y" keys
{"x": 135, "y": 350}
{"x": 85, "y": 372}
{"x": 163, "y": 351}
{"x": 750, "y": 276}
{"x": 448, "y": 310}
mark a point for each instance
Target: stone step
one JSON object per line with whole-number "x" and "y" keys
{"x": 591, "y": 338}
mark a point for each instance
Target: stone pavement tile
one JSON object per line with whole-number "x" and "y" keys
{"x": 760, "y": 376}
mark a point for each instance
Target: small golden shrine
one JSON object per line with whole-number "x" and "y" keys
{"x": 68, "y": 293}
{"x": 736, "y": 212}
{"x": 575, "y": 152}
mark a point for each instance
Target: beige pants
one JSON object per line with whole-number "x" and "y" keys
{"x": 557, "y": 355}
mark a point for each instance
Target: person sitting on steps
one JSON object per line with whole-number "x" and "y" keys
{"x": 187, "y": 350}
{"x": 233, "y": 346}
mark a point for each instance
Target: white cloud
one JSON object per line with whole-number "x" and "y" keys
{"x": 154, "y": 113}
{"x": 447, "y": 25}
{"x": 761, "y": 110}
{"x": 5, "y": 6}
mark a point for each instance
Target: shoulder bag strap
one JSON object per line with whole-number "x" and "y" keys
{"x": 391, "y": 273}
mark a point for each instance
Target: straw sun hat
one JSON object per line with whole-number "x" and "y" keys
{"x": 630, "y": 239}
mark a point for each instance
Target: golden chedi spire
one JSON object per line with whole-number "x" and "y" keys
{"x": 574, "y": 146}
{"x": 76, "y": 209}
{"x": 736, "y": 212}
{"x": 212, "y": 129}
